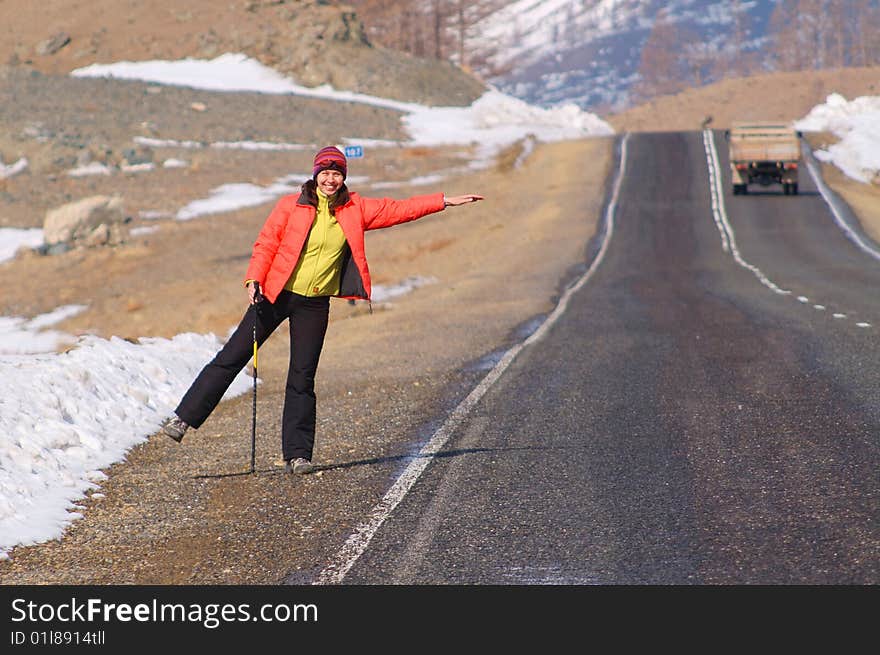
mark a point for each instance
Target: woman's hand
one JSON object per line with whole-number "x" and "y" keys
{"x": 454, "y": 201}
{"x": 252, "y": 293}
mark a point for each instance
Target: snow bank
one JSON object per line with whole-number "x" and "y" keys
{"x": 857, "y": 124}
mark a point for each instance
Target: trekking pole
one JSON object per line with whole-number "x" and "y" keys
{"x": 257, "y": 298}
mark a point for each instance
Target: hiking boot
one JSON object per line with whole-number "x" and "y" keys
{"x": 175, "y": 428}
{"x": 300, "y": 466}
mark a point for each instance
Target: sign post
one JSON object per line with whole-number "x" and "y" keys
{"x": 354, "y": 152}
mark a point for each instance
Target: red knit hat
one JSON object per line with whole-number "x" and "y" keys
{"x": 330, "y": 157}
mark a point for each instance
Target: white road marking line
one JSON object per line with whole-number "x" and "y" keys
{"x": 728, "y": 238}
{"x": 719, "y": 212}
{"x": 717, "y": 201}
{"x": 358, "y": 541}
{"x": 863, "y": 325}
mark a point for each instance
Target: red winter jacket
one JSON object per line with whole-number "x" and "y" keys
{"x": 279, "y": 244}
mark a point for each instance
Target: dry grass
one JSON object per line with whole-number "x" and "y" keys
{"x": 498, "y": 264}
{"x": 774, "y": 97}
{"x": 863, "y": 199}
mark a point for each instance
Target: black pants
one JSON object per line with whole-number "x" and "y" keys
{"x": 308, "y": 324}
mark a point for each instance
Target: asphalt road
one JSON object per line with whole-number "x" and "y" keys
{"x": 705, "y": 411}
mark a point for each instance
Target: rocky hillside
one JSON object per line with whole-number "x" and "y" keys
{"x": 60, "y": 123}
{"x": 57, "y": 122}
{"x": 313, "y": 41}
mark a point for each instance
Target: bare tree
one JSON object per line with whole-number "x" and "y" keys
{"x": 736, "y": 59}
{"x": 660, "y": 65}
{"x": 864, "y": 30}
{"x": 437, "y": 25}
{"x": 851, "y": 26}
{"x": 698, "y": 58}
{"x": 442, "y": 29}
{"x": 838, "y": 17}
{"x": 787, "y": 51}
{"x": 816, "y": 34}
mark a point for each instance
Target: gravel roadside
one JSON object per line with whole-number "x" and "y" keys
{"x": 186, "y": 514}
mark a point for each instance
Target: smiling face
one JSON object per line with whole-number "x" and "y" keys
{"x": 329, "y": 181}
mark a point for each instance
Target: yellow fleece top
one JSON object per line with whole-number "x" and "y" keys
{"x": 319, "y": 268}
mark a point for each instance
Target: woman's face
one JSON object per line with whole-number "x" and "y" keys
{"x": 329, "y": 181}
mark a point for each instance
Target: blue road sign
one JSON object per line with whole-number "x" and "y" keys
{"x": 354, "y": 152}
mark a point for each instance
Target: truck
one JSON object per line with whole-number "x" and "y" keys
{"x": 765, "y": 154}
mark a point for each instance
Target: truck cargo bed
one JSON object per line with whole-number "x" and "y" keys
{"x": 763, "y": 154}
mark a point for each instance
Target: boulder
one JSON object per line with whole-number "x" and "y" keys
{"x": 53, "y": 44}
{"x": 78, "y": 221}
{"x": 137, "y": 156}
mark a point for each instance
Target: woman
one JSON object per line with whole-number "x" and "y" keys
{"x": 310, "y": 248}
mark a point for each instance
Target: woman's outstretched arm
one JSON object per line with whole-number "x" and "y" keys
{"x": 454, "y": 201}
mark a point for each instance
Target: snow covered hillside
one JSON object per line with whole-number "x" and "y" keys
{"x": 588, "y": 51}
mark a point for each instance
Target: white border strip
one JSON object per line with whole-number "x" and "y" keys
{"x": 835, "y": 211}
{"x": 719, "y": 212}
{"x": 357, "y": 543}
